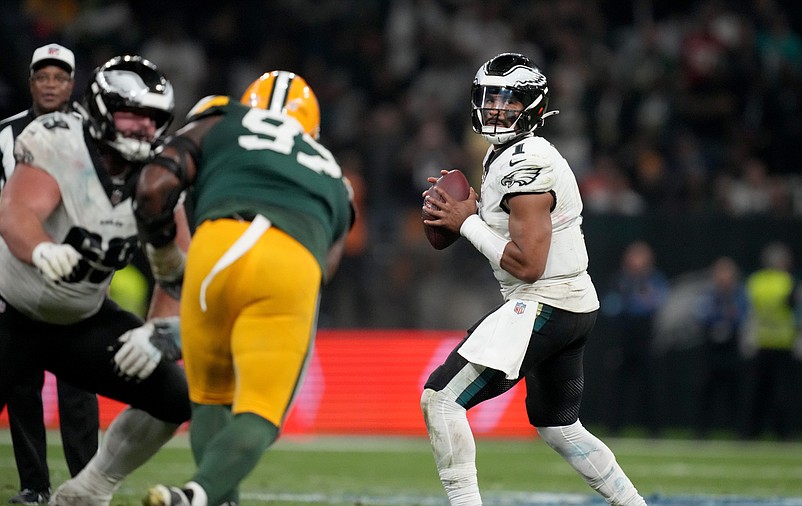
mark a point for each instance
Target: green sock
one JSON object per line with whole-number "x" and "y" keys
{"x": 229, "y": 453}
{"x": 207, "y": 421}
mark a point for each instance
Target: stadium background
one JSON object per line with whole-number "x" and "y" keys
{"x": 681, "y": 120}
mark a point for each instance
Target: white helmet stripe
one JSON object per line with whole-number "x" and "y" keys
{"x": 281, "y": 87}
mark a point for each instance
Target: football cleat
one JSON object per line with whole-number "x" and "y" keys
{"x": 30, "y": 496}
{"x": 161, "y": 495}
{"x": 73, "y": 493}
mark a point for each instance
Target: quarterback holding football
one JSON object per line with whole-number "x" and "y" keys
{"x": 528, "y": 225}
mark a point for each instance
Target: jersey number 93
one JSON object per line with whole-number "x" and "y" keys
{"x": 273, "y": 132}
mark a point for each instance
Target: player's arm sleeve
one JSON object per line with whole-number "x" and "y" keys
{"x": 159, "y": 189}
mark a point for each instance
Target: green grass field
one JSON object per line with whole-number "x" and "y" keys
{"x": 396, "y": 471}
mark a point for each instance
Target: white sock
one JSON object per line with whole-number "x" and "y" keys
{"x": 594, "y": 461}
{"x": 133, "y": 437}
{"x": 453, "y": 447}
{"x": 461, "y": 485}
{"x": 93, "y": 481}
{"x": 199, "y": 497}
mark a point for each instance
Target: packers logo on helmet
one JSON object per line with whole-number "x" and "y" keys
{"x": 286, "y": 93}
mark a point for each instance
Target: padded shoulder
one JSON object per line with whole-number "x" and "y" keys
{"x": 208, "y": 106}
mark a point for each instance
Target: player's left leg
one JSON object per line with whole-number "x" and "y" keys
{"x": 554, "y": 393}
{"x": 594, "y": 462}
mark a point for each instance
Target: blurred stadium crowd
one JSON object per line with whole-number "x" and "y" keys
{"x": 693, "y": 106}
{"x": 666, "y": 108}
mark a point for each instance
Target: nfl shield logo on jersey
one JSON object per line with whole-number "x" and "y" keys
{"x": 520, "y": 307}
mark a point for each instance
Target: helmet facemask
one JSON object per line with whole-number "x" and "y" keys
{"x": 133, "y": 84}
{"x": 509, "y": 98}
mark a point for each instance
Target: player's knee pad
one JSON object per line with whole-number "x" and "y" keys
{"x": 446, "y": 422}
{"x": 425, "y": 400}
{"x": 562, "y": 436}
{"x": 437, "y": 405}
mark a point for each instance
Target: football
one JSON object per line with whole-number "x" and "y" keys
{"x": 455, "y": 184}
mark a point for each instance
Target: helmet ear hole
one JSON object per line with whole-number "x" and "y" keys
{"x": 288, "y": 94}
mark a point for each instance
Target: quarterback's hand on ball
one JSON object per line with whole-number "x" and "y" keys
{"x": 55, "y": 261}
{"x": 138, "y": 357}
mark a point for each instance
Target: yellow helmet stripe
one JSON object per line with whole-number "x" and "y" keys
{"x": 281, "y": 91}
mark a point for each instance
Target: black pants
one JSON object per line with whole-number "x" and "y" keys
{"x": 83, "y": 355}
{"x": 771, "y": 390}
{"x": 78, "y": 415}
{"x": 552, "y": 369}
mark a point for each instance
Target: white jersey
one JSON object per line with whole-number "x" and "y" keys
{"x": 533, "y": 165}
{"x": 9, "y": 129}
{"x": 104, "y": 233}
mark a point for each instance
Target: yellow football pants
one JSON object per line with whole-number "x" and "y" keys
{"x": 250, "y": 346}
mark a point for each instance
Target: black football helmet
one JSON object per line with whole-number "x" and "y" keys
{"x": 503, "y": 79}
{"x": 130, "y": 83}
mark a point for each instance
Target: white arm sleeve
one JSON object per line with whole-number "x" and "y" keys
{"x": 484, "y": 239}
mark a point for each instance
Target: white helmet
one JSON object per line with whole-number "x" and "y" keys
{"x": 131, "y": 83}
{"x": 504, "y": 78}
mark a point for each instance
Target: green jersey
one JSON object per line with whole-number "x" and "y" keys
{"x": 255, "y": 161}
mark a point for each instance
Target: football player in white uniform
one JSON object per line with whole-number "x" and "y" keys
{"x": 51, "y": 83}
{"x": 67, "y": 223}
{"x": 528, "y": 226}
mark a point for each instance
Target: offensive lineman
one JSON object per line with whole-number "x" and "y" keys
{"x": 67, "y": 224}
{"x": 52, "y": 77}
{"x": 528, "y": 227}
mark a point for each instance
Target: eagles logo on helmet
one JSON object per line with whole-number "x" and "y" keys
{"x": 504, "y": 78}
{"x": 127, "y": 82}
{"x": 288, "y": 94}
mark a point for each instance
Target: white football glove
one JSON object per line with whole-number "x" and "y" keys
{"x": 138, "y": 357}
{"x": 144, "y": 347}
{"x": 55, "y": 261}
